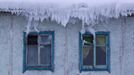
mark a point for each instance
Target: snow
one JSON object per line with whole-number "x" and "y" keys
{"x": 90, "y": 12}
{"x": 114, "y": 26}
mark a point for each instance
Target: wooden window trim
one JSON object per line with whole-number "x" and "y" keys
{"x": 25, "y": 67}
{"x": 95, "y": 67}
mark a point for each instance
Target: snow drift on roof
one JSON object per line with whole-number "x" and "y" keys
{"x": 89, "y": 11}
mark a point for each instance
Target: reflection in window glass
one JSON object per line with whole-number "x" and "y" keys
{"x": 100, "y": 55}
{"x": 88, "y": 50}
{"x": 100, "y": 39}
{"x": 88, "y": 55}
{"x": 94, "y": 51}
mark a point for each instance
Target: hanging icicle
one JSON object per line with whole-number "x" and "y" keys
{"x": 87, "y": 28}
{"x": 83, "y": 28}
{"x": 91, "y": 30}
{"x": 35, "y": 25}
{"x": 29, "y": 25}
{"x": 32, "y": 27}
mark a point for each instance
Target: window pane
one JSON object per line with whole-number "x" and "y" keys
{"x": 45, "y": 39}
{"x": 45, "y": 54}
{"x": 100, "y": 39}
{"x": 88, "y": 50}
{"x": 88, "y": 40}
{"x": 87, "y": 55}
{"x": 32, "y": 55}
{"x": 32, "y": 40}
{"x": 100, "y": 55}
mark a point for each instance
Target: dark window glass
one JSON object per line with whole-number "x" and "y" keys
{"x": 100, "y": 55}
{"x": 88, "y": 39}
{"x": 95, "y": 52}
{"x": 88, "y": 50}
{"x": 32, "y": 40}
{"x": 100, "y": 50}
{"x": 87, "y": 55}
{"x": 32, "y": 49}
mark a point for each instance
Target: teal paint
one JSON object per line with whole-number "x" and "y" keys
{"x": 24, "y": 52}
{"x": 53, "y": 37}
{"x": 80, "y": 52}
{"x": 25, "y": 67}
{"x": 108, "y": 54}
{"x": 107, "y": 68}
{"x": 94, "y": 42}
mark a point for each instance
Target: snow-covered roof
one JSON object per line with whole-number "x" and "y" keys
{"x": 61, "y": 10}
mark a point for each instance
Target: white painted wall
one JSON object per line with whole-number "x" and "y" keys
{"x": 66, "y": 46}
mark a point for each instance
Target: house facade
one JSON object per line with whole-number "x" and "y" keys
{"x": 66, "y": 38}
{"x": 66, "y": 56}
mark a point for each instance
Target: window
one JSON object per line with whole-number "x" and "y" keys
{"x": 94, "y": 54}
{"x": 39, "y": 51}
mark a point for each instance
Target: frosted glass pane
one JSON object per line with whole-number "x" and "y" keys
{"x": 32, "y": 55}
{"x": 45, "y": 54}
{"x": 45, "y": 39}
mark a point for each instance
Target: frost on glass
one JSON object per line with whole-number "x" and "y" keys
{"x": 45, "y": 49}
{"x": 45, "y": 39}
{"x": 39, "y": 50}
{"x": 32, "y": 55}
{"x": 45, "y": 55}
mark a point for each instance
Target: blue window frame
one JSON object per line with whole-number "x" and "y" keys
{"x": 94, "y": 54}
{"x": 38, "y": 53}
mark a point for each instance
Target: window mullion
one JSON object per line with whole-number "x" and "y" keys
{"x": 38, "y": 49}
{"x": 51, "y": 59}
{"x": 26, "y": 50}
{"x": 107, "y": 48}
{"x": 82, "y": 50}
{"x": 94, "y": 51}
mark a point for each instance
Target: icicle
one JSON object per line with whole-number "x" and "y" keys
{"x": 83, "y": 31}
{"x": 28, "y": 25}
{"x": 42, "y": 18}
{"x": 36, "y": 25}
{"x": 64, "y": 23}
{"x": 83, "y": 28}
{"x": 91, "y": 30}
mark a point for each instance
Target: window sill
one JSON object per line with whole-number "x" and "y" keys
{"x": 95, "y": 69}
{"x": 38, "y": 68}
